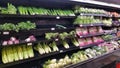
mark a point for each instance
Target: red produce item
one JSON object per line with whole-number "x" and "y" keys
{"x": 32, "y": 38}
{"x": 4, "y": 43}
{"x": 118, "y": 34}
{"x": 10, "y": 42}
{"x": 82, "y": 42}
{"x": 89, "y": 41}
{"x": 28, "y": 40}
{"x": 16, "y": 41}
{"x": 100, "y": 30}
{"x": 85, "y": 31}
{"x": 12, "y": 38}
{"x": 92, "y": 30}
{"x": 95, "y": 39}
{"x": 100, "y": 39}
{"x": 79, "y": 31}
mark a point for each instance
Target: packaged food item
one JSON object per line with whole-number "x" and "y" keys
{"x": 85, "y": 31}
{"x": 100, "y": 30}
{"x": 95, "y": 39}
{"x": 89, "y": 41}
{"x": 92, "y": 30}
{"x": 100, "y": 39}
{"x": 82, "y": 42}
{"x": 79, "y": 31}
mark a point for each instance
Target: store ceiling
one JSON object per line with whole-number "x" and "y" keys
{"x": 111, "y": 1}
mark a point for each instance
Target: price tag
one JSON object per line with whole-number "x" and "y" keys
{"x": 29, "y": 43}
{"x": 61, "y": 51}
{"x": 72, "y": 15}
{"x": 81, "y": 25}
{"x": 81, "y": 14}
{"x": 57, "y": 17}
{"x": 91, "y": 25}
{"x": 81, "y": 47}
{"x": 56, "y": 39}
{"x": 52, "y": 29}
{"x": 6, "y": 33}
{"x": 81, "y": 36}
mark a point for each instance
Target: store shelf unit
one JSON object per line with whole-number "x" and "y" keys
{"x": 44, "y": 27}
{"x": 61, "y": 50}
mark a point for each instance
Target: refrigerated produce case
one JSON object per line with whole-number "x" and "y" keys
{"x": 61, "y": 34}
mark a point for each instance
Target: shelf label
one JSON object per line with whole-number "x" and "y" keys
{"x": 56, "y": 39}
{"x": 81, "y": 36}
{"x": 52, "y": 29}
{"x": 80, "y": 25}
{"x": 81, "y": 47}
{"x": 6, "y": 33}
{"x": 29, "y": 43}
{"x": 91, "y": 25}
{"x": 57, "y": 17}
{"x": 81, "y": 14}
{"x": 61, "y": 51}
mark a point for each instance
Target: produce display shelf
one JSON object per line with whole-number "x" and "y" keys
{"x": 89, "y": 25}
{"x": 36, "y": 16}
{"x": 91, "y": 59}
{"x": 37, "y": 56}
{"x": 93, "y": 14}
{"x": 35, "y": 32}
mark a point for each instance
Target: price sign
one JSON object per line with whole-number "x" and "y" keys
{"x": 80, "y": 25}
{"x": 56, "y": 39}
{"x": 81, "y": 47}
{"x": 57, "y": 17}
{"x": 52, "y": 29}
{"x": 6, "y": 33}
{"x": 61, "y": 51}
{"x": 29, "y": 43}
{"x": 91, "y": 25}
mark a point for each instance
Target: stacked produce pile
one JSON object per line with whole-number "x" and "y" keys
{"x": 16, "y": 27}
{"x": 81, "y": 55}
{"x": 59, "y": 35}
{"x": 107, "y": 22}
{"x": 108, "y": 37}
{"x": 118, "y": 34}
{"x": 82, "y": 31}
{"x": 43, "y": 48}
{"x": 11, "y": 9}
{"x": 79, "y": 9}
{"x": 16, "y": 53}
{"x": 14, "y": 40}
{"x": 91, "y": 40}
{"x": 86, "y": 20}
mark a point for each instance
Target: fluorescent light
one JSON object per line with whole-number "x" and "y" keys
{"x": 98, "y": 3}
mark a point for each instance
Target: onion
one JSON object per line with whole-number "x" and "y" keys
{"x": 16, "y": 41}
{"x": 12, "y": 38}
{"x": 4, "y": 43}
{"x": 10, "y": 42}
{"x": 28, "y": 40}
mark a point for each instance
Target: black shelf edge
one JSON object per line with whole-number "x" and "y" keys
{"x": 91, "y": 35}
{"x": 91, "y": 59}
{"x": 94, "y": 14}
{"x": 35, "y": 31}
{"x": 35, "y": 16}
{"x": 88, "y": 25}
